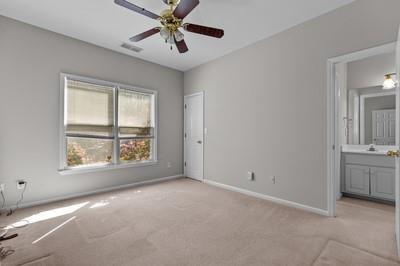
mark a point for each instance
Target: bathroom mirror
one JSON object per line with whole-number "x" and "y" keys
{"x": 368, "y": 108}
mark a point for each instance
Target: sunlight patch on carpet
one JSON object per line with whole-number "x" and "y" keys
{"x": 45, "y": 215}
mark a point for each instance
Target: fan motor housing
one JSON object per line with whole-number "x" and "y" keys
{"x": 169, "y": 20}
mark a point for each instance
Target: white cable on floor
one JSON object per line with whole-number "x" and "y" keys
{"x": 4, "y": 201}
{"x": 3, "y": 231}
{"x": 5, "y": 251}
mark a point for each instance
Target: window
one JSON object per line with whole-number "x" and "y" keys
{"x": 106, "y": 124}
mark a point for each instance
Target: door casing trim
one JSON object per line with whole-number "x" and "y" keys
{"x": 333, "y": 103}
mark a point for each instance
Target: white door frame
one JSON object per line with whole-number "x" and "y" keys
{"x": 333, "y": 117}
{"x": 362, "y": 110}
{"x": 184, "y": 128}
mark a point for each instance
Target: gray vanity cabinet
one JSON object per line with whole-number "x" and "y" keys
{"x": 382, "y": 182}
{"x": 367, "y": 175}
{"x": 357, "y": 179}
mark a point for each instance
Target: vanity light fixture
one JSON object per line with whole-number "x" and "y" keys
{"x": 389, "y": 82}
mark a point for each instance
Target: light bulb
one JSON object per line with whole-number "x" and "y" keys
{"x": 171, "y": 38}
{"x": 165, "y": 34}
{"x": 178, "y": 36}
{"x": 389, "y": 83}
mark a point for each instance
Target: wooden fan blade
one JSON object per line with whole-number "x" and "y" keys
{"x": 212, "y": 32}
{"x": 182, "y": 47}
{"x": 136, "y": 8}
{"x": 185, "y": 7}
{"x": 144, "y": 35}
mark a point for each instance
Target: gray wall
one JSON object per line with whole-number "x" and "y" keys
{"x": 370, "y": 71}
{"x": 265, "y": 105}
{"x": 31, "y": 60}
{"x": 363, "y": 77}
{"x": 373, "y": 104}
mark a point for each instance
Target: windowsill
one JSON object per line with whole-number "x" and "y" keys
{"x": 90, "y": 169}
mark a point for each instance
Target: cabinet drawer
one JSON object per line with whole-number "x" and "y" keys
{"x": 382, "y": 183}
{"x": 357, "y": 179}
{"x": 369, "y": 160}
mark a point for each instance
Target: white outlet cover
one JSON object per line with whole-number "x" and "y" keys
{"x": 21, "y": 186}
{"x": 250, "y": 175}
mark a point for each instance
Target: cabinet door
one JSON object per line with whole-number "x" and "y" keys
{"x": 382, "y": 183}
{"x": 357, "y": 179}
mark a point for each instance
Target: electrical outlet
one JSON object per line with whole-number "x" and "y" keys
{"x": 2, "y": 187}
{"x": 169, "y": 165}
{"x": 250, "y": 176}
{"x": 21, "y": 184}
{"x": 273, "y": 179}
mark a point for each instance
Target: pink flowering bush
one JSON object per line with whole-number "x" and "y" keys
{"x": 135, "y": 150}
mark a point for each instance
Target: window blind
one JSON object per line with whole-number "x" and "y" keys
{"x": 89, "y": 109}
{"x": 134, "y": 114}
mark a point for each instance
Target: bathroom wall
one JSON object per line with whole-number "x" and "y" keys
{"x": 370, "y": 72}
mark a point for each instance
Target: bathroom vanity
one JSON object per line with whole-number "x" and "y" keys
{"x": 368, "y": 174}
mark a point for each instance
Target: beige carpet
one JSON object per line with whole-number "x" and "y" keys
{"x": 184, "y": 222}
{"x": 339, "y": 254}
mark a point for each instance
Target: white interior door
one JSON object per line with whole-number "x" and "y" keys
{"x": 194, "y": 135}
{"x": 397, "y": 176}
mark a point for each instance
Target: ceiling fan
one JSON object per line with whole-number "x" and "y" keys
{"x": 171, "y": 21}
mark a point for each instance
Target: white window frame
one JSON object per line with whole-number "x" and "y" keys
{"x": 63, "y": 168}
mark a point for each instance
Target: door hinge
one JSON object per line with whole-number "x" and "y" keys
{"x": 185, "y": 106}
{"x": 185, "y": 164}
{"x": 333, "y": 147}
{"x": 185, "y": 135}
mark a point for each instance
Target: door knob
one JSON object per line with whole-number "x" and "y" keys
{"x": 199, "y": 141}
{"x": 393, "y": 153}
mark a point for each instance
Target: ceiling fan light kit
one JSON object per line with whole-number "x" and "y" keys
{"x": 171, "y": 21}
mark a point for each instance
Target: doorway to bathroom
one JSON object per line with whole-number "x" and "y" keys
{"x": 363, "y": 133}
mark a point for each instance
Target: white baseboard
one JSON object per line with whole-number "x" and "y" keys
{"x": 269, "y": 198}
{"x": 92, "y": 192}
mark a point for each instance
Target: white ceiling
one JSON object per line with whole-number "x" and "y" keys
{"x": 105, "y": 24}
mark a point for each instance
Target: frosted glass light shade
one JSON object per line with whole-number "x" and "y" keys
{"x": 389, "y": 83}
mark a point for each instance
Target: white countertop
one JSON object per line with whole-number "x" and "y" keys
{"x": 363, "y": 149}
